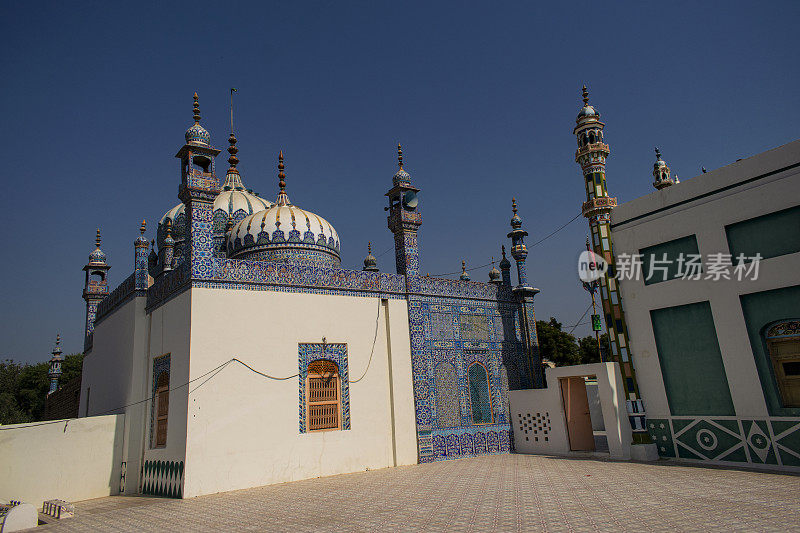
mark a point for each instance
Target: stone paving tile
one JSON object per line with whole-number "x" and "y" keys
{"x": 494, "y": 493}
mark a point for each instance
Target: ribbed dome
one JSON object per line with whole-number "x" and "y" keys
{"x": 285, "y": 233}
{"x": 197, "y": 134}
{"x": 234, "y": 201}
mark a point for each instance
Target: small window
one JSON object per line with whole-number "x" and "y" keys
{"x": 323, "y": 396}
{"x": 783, "y": 343}
{"x": 162, "y": 409}
{"x": 480, "y": 395}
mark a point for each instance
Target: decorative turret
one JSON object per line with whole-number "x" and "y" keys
{"x": 140, "y": 261}
{"x": 404, "y": 221}
{"x": 168, "y": 258}
{"x": 464, "y": 275}
{"x": 55, "y": 366}
{"x": 505, "y": 268}
{"x": 494, "y": 275}
{"x": 370, "y": 263}
{"x": 591, "y": 155}
{"x": 152, "y": 260}
{"x": 95, "y": 289}
{"x": 661, "y": 176}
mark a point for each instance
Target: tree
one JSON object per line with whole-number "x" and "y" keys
{"x": 555, "y": 345}
{"x": 588, "y": 348}
{"x": 23, "y": 388}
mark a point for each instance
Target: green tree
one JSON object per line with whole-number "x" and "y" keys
{"x": 556, "y": 345}
{"x": 588, "y": 348}
{"x": 23, "y": 388}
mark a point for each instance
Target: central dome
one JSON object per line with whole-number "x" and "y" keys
{"x": 284, "y": 233}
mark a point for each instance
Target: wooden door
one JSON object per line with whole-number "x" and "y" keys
{"x": 576, "y": 408}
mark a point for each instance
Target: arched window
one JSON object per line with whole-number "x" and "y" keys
{"x": 591, "y": 137}
{"x": 323, "y": 396}
{"x": 448, "y": 408}
{"x": 480, "y": 394}
{"x": 783, "y": 343}
{"x": 162, "y": 409}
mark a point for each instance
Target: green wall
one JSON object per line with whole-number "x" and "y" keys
{"x": 770, "y": 235}
{"x": 673, "y": 249}
{"x": 761, "y": 309}
{"x": 691, "y": 361}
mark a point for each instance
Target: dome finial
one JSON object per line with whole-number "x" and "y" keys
{"x": 196, "y": 109}
{"x": 464, "y": 276}
{"x": 143, "y": 227}
{"x": 399, "y": 156}
{"x": 168, "y": 229}
{"x": 658, "y": 154}
{"x": 97, "y": 239}
{"x": 514, "y": 205}
{"x": 504, "y": 250}
{"x": 232, "y": 160}
{"x": 369, "y": 247}
{"x": 370, "y": 263}
{"x": 283, "y": 198}
{"x": 585, "y": 96}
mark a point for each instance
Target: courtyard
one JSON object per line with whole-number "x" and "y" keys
{"x": 493, "y": 493}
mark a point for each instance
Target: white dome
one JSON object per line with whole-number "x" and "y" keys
{"x": 285, "y": 233}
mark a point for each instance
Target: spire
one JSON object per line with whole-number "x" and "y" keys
{"x": 55, "y": 366}
{"x": 516, "y": 221}
{"x": 97, "y": 239}
{"x": 399, "y": 156}
{"x": 196, "y": 109}
{"x": 57, "y": 350}
{"x": 658, "y": 153}
{"x": 97, "y": 256}
{"x": 585, "y": 96}
{"x": 141, "y": 241}
{"x": 464, "y": 276}
{"x": 283, "y": 198}
{"x": 232, "y": 160}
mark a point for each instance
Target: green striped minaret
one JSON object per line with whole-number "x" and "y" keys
{"x": 591, "y": 155}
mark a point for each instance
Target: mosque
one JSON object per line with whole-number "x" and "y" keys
{"x": 243, "y": 354}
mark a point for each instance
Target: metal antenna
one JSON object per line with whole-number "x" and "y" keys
{"x": 233, "y": 90}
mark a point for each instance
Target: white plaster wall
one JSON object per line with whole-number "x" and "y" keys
{"x": 72, "y": 460}
{"x": 167, "y": 332}
{"x": 706, "y": 218}
{"x": 243, "y": 429}
{"x": 549, "y": 401}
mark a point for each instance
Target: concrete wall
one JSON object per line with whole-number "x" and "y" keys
{"x": 703, "y": 206}
{"x": 243, "y": 429}
{"x": 535, "y": 410}
{"x": 74, "y": 460}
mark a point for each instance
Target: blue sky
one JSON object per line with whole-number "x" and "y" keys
{"x": 95, "y": 98}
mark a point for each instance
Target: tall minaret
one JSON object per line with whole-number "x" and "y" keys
{"x": 404, "y": 221}
{"x": 55, "y": 366}
{"x": 141, "y": 249}
{"x": 95, "y": 289}
{"x": 525, "y": 293}
{"x": 199, "y": 186}
{"x": 591, "y": 155}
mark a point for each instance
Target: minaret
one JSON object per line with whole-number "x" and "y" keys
{"x": 525, "y": 293}
{"x": 55, "y": 366}
{"x": 199, "y": 186}
{"x": 404, "y": 221}
{"x": 591, "y": 155}
{"x": 661, "y": 176}
{"x": 169, "y": 248}
{"x": 95, "y": 289}
{"x": 370, "y": 263}
{"x": 141, "y": 263}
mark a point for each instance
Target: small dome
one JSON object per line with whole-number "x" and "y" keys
{"x": 370, "y": 263}
{"x": 494, "y": 274}
{"x": 285, "y": 233}
{"x": 505, "y": 264}
{"x": 197, "y": 134}
{"x": 588, "y": 111}
{"x": 401, "y": 176}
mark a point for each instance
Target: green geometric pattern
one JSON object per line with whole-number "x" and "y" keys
{"x": 662, "y": 436}
{"x": 755, "y": 442}
{"x": 163, "y": 478}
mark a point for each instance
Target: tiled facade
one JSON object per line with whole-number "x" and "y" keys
{"x": 336, "y": 352}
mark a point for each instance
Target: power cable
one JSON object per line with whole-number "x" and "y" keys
{"x": 579, "y": 320}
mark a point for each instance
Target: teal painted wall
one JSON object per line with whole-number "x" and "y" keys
{"x": 673, "y": 249}
{"x": 691, "y": 361}
{"x": 761, "y": 309}
{"x": 770, "y": 235}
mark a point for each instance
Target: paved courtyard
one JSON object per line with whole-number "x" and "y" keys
{"x": 496, "y": 493}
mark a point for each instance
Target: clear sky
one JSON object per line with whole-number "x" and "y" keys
{"x": 95, "y": 98}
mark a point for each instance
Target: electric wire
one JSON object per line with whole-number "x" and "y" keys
{"x": 579, "y": 320}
